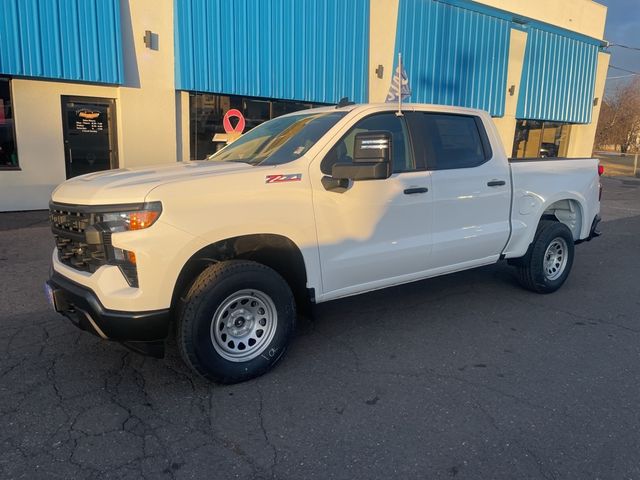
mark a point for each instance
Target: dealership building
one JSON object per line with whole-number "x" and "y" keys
{"x": 88, "y": 85}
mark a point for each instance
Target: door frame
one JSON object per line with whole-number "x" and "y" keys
{"x": 111, "y": 124}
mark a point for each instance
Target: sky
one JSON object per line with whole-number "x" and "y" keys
{"x": 623, "y": 27}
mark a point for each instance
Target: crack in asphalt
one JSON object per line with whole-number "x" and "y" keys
{"x": 527, "y": 450}
{"x": 265, "y": 434}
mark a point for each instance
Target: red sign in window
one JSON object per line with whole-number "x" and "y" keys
{"x": 226, "y": 122}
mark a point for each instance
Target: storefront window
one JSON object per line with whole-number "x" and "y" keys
{"x": 535, "y": 139}
{"x": 8, "y": 151}
{"x": 206, "y": 113}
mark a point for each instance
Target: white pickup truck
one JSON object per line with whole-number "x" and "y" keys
{"x": 306, "y": 208}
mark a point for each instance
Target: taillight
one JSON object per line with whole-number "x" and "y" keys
{"x": 600, "y": 170}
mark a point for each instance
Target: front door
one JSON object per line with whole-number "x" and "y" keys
{"x": 376, "y": 232}
{"x": 89, "y": 135}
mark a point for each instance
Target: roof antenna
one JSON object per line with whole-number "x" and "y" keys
{"x": 344, "y": 101}
{"x": 399, "y": 73}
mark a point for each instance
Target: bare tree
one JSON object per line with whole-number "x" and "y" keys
{"x": 619, "y": 122}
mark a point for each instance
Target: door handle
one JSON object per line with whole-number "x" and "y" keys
{"x": 410, "y": 191}
{"x": 496, "y": 183}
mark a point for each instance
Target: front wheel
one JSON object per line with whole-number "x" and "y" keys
{"x": 236, "y": 322}
{"x": 548, "y": 262}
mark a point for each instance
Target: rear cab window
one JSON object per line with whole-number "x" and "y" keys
{"x": 450, "y": 141}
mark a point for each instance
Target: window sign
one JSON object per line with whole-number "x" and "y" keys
{"x": 88, "y": 120}
{"x": 231, "y": 132}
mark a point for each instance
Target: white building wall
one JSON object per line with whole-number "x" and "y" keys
{"x": 582, "y": 16}
{"x": 382, "y": 39}
{"x": 506, "y": 124}
{"x": 37, "y": 108}
{"x": 145, "y": 111}
{"x": 147, "y": 118}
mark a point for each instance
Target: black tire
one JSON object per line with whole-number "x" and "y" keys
{"x": 530, "y": 268}
{"x": 199, "y": 346}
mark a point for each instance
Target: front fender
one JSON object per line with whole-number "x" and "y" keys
{"x": 214, "y": 209}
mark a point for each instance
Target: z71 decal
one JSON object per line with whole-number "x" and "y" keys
{"x": 291, "y": 177}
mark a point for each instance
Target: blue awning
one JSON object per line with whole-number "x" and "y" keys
{"x": 558, "y": 78}
{"x": 313, "y": 51}
{"x": 62, "y": 39}
{"x": 454, "y": 55}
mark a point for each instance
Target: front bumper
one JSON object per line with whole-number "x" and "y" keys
{"x": 82, "y": 306}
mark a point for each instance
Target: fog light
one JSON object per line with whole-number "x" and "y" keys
{"x": 126, "y": 261}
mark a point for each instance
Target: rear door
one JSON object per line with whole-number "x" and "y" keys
{"x": 471, "y": 191}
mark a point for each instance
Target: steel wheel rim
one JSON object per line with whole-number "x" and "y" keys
{"x": 555, "y": 258}
{"x": 244, "y": 325}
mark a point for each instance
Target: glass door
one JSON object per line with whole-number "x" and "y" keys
{"x": 89, "y": 135}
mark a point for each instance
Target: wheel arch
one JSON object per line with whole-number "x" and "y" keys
{"x": 569, "y": 211}
{"x": 275, "y": 251}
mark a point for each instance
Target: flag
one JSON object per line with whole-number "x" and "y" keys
{"x": 399, "y": 88}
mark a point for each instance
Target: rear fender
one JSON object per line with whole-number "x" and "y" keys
{"x": 568, "y": 208}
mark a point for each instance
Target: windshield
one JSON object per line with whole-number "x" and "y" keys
{"x": 280, "y": 140}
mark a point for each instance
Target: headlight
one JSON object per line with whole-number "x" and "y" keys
{"x": 134, "y": 219}
{"x": 121, "y": 219}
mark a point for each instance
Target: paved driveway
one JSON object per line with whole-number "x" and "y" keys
{"x": 464, "y": 376}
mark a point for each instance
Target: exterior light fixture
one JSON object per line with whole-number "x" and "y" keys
{"x": 512, "y": 90}
{"x": 150, "y": 40}
{"x": 380, "y": 71}
{"x": 595, "y": 102}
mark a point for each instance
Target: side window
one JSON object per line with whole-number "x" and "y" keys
{"x": 342, "y": 152}
{"x": 456, "y": 141}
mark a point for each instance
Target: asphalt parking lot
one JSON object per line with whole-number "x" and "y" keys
{"x": 466, "y": 376}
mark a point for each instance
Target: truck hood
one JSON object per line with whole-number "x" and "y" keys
{"x": 131, "y": 185}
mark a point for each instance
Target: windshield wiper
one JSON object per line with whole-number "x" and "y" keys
{"x": 237, "y": 160}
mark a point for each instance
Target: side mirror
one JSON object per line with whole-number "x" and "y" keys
{"x": 371, "y": 158}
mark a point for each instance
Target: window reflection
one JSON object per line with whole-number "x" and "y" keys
{"x": 535, "y": 139}
{"x": 206, "y": 112}
{"x": 8, "y": 151}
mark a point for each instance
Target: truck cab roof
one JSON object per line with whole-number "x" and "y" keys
{"x": 387, "y": 106}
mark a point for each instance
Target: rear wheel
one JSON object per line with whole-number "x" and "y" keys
{"x": 236, "y": 322}
{"x": 548, "y": 261}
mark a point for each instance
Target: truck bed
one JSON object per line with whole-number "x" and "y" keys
{"x": 537, "y": 181}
